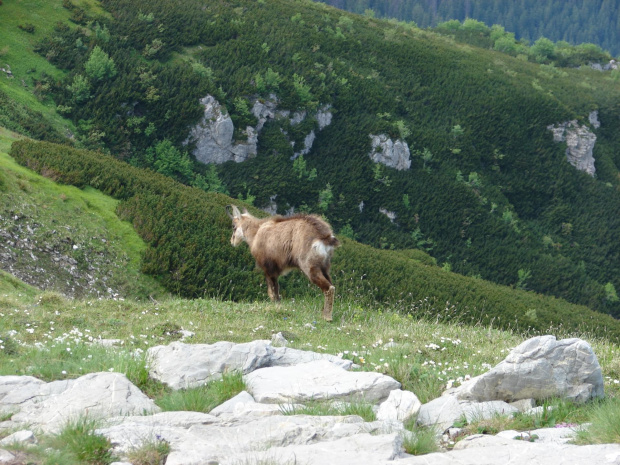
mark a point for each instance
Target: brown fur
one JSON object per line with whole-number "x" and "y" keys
{"x": 280, "y": 244}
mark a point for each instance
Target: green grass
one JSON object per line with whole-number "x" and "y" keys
{"x": 17, "y": 51}
{"x": 353, "y": 407}
{"x": 150, "y": 452}
{"x": 604, "y": 428}
{"x": 80, "y": 224}
{"x": 204, "y": 398}
{"x": 420, "y": 441}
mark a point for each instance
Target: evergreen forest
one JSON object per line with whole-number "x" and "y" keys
{"x": 572, "y": 21}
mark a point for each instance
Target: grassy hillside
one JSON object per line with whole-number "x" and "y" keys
{"x": 49, "y": 337}
{"x": 187, "y": 235}
{"x": 489, "y": 194}
{"x": 66, "y": 239}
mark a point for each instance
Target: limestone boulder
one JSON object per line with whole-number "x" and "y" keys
{"x": 182, "y": 366}
{"x": 540, "y": 368}
{"x": 97, "y": 395}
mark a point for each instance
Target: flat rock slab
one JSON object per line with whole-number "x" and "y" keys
{"x": 182, "y": 366}
{"x": 521, "y": 453}
{"x": 355, "y": 450}
{"x": 202, "y": 443}
{"x": 49, "y": 406}
{"x": 317, "y": 381}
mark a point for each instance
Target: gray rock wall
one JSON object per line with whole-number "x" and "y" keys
{"x": 580, "y": 143}
{"x": 394, "y": 154}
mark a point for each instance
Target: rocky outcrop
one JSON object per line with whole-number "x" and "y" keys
{"x": 394, "y": 154}
{"x": 213, "y": 135}
{"x": 580, "y": 143}
{"x": 260, "y": 425}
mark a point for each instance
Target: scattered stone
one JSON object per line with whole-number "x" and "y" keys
{"x": 524, "y": 405}
{"x": 48, "y": 406}
{"x": 278, "y": 340}
{"x": 180, "y": 365}
{"x": 243, "y": 405}
{"x": 6, "y": 456}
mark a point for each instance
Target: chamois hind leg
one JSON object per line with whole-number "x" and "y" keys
{"x": 273, "y": 288}
{"x": 321, "y": 279}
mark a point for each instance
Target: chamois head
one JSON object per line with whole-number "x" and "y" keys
{"x": 237, "y": 224}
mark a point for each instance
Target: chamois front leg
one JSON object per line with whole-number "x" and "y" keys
{"x": 273, "y": 288}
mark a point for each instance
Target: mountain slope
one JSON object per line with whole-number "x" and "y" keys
{"x": 488, "y": 192}
{"x": 64, "y": 239}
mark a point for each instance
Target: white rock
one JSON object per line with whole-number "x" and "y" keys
{"x": 285, "y": 356}
{"x": 181, "y": 366}
{"x": 95, "y": 394}
{"x": 441, "y": 413}
{"x": 477, "y": 411}
{"x": 318, "y": 380}
{"x": 19, "y": 437}
{"x": 355, "y": 450}
{"x": 524, "y": 405}
{"x": 6, "y": 456}
{"x": 399, "y": 406}
{"x": 540, "y": 368}
{"x": 487, "y": 450}
{"x": 243, "y": 405}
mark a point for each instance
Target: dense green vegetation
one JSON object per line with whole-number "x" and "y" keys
{"x": 573, "y": 21}
{"x": 489, "y": 194}
{"x": 187, "y": 234}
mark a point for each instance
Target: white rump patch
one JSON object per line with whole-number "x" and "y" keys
{"x": 322, "y": 249}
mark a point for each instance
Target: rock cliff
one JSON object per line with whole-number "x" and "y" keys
{"x": 580, "y": 142}
{"x": 393, "y": 154}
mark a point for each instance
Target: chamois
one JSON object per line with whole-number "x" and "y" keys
{"x": 280, "y": 244}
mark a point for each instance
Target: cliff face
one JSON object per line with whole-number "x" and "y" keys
{"x": 580, "y": 142}
{"x": 213, "y": 136}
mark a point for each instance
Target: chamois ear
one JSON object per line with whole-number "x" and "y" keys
{"x": 245, "y": 211}
{"x": 232, "y": 211}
